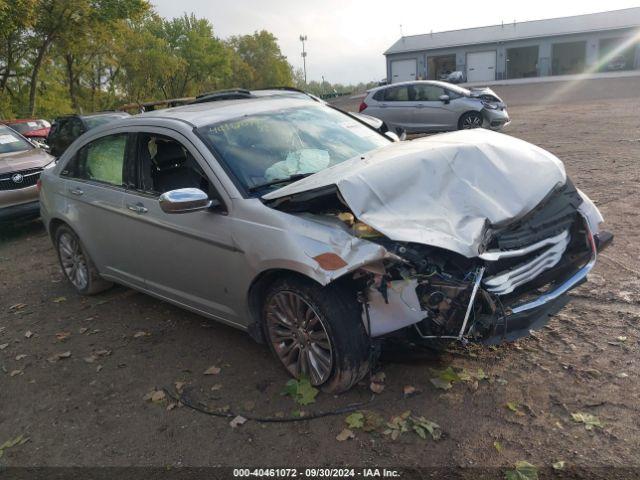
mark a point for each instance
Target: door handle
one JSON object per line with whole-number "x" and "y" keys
{"x": 76, "y": 191}
{"x": 138, "y": 208}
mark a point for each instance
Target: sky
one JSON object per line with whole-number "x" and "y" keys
{"x": 347, "y": 39}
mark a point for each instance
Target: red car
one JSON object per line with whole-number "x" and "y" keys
{"x": 32, "y": 128}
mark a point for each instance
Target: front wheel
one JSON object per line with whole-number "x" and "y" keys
{"x": 316, "y": 332}
{"x": 470, "y": 120}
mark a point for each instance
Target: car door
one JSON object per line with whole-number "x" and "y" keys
{"x": 394, "y": 107}
{"x": 188, "y": 258}
{"x": 430, "y": 112}
{"x": 94, "y": 187}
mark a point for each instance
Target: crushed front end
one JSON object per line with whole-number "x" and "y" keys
{"x": 521, "y": 277}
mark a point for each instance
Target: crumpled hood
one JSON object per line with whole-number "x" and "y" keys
{"x": 441, "y": 190}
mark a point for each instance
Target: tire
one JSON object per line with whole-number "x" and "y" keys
{"x": 326, "y": 325}
{"x": 74, "y": 260}
{"x": 470, "y": 120}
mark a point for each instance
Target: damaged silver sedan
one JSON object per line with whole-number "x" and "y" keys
{"x": 317, "y": 234}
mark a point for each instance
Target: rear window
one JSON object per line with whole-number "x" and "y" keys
{"x": 11, "y": 142}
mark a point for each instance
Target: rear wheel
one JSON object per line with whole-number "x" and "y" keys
{"x": 470, "y": 120}
{"x": 316, "y": 332}
{"x": 76, "y": 264}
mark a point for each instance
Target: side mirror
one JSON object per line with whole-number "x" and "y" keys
{"x": 444, "y": 99}
{"x": 184, "y": 200}
{"x": 393, "y": 136}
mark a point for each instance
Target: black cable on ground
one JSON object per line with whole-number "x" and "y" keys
{"x": 311, "y": 416}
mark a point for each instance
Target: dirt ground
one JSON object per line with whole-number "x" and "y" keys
{"x": 88, "y": 409}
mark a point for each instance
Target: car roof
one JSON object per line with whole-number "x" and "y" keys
{"x": 92, "y": 115}
{"x": 418, "y": 82}
{"x": 200, "y": 114}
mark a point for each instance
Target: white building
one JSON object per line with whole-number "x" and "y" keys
{"x": 595, "y": 42}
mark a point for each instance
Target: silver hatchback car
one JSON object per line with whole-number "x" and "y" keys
{"x": 315, "y": 233}
{"x": 430, "y": 106}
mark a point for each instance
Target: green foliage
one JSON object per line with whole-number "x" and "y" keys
{"x": 63, "y": 56}
{"x": 301, "y": 391}
{"x": 523, "y": 471}
{"x": 589, "y": 420}
{"x": 355, "y": 420}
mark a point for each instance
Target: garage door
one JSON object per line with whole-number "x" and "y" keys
{"x": 403, "y": 70}
{"x": 481, "y": 66}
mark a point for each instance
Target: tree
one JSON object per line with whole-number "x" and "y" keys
{"x": 60, "y": 20}
{"x": 206, "y": 61}
{"x": 261, "y": 56}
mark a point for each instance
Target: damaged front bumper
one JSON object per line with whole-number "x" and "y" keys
{"x": 512, "y": 317}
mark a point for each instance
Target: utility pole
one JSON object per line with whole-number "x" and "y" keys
{"x": 303, "y": 38}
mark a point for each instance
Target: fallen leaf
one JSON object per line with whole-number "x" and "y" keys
{"x": 103, "y": 353}
{"x": 622, "y": 338}
{"x": 372, "y": 421}
{"x": 441, "y": 384}
{"x": 171, "y": 406}
{"x": 59, "y": 299}
{"x": 376, "y": 387}
{"x": 155, "y": 396}
{"x": 17, "y": 306}
{"x": 589, "y": 420}
{"x": 619, "y": 375}
{"x": 28, "y": 334}
{"x": 301, "y": 391}
{"x": 58, "y": 356}
{"x": 355, "y": 420}
{"x": 19, "y": 440}
{"x": 20, "y": 357}
{"x": 15, "y": 372}
{"x": 559, "y": 465}
{"x": 422, "y": 426}
{"x": 523, "y": 471}
{"x": 513, "y": 406}
{"x": 212, "y": 371}
{"x": 237, "y": 421}
{"x": 498, "y": 446}
{"x": 90, "y": 358}
{"x": 409, "y": 390}
{"x": 62, "y": 336}
{"x": 141, "y": 334}
{"x": 83, "y": 330}
{"x": 345, "y": 434}
{"x": 217, "y": 386}
{"x": 98, "y": 368}
{"x": 3, "y": 346}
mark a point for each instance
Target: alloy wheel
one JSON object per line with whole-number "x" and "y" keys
{"x": 299, "y": 337}
{"x": 73, "y": 261}
{"x": 471, "y": 121}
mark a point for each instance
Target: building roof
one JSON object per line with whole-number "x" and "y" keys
{"x": 613, "y": 20}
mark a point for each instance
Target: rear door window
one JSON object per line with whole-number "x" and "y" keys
{"x": 100, "y": 161}
{"x": 397, "y": 94}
